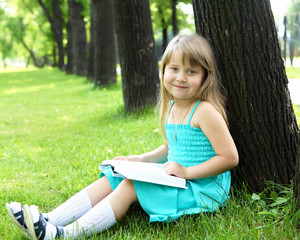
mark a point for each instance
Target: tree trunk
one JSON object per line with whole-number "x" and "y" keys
{"x": 138, "y": 58}
{"x": 261, "y": 116}
{"x": 164, "y": 29}
{"x": 105, "y": 43}
{"x": 56, "y": 23}
{"x": 78, "y": 36}
{"x": 91, "y": 58}
{"x": 37, "y": 62}
{"x": 174, "y": 17}
{"x": 69, "y": 66}
{"x": 297, "y": 181}
{"x": 54, "y": 55}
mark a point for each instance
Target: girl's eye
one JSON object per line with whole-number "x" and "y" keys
{"x": 191, "y": 71}
{"x": 174, "y": 69}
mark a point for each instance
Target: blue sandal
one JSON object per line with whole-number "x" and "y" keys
{"x": 37, "y": 224}
{"x": 15, "y": 212}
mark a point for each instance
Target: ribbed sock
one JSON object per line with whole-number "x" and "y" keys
{"x": 70, "y": 210}
{"x": 99, "y": 218}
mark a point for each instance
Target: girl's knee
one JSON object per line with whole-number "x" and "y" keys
{"x": 127, "y": 184}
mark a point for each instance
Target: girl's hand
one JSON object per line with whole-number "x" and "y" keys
{"x": 134, "y": 158}
{"x": 174, "y": 168}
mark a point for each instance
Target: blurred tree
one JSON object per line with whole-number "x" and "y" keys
{"x": 37, "y": 37}
{"x": 166, "y": 14}
{"x": 138, "y": 59}
{"x": 6, "y": 43}
{"x": 6, "y": 47}
{"x": 77, "y": 42}
{"x": 54, "y": 16}
{"x": 69, "y": 49}
{"x": 162, "y": 7}
{"x": 18, "y": 29}
{"x": 174, "y": 17}
{"x": 91, "y": 55}
{"x": 261, "y": 116}
{"x": 293, "y": 14}
{"x": 105, "y": 43}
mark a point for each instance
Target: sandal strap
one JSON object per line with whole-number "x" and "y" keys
{"x": 19, "y": 216}
{"x": 59, "y": 232}
{"x": 40, "y": 228}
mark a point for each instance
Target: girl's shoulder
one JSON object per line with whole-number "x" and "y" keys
{"x": 203, "y": 113}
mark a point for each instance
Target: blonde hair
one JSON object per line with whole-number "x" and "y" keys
{"x": 197, "y": 52}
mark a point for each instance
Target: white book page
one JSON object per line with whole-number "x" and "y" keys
{"x": 143, "y": 171}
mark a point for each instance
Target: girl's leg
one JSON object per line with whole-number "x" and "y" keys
{"x": 80, "y": 203}
{"x": 69, "y": 211}
{"x": 122, "y": 198}
{"x": 104, "y": 214}
{"x": 98, "y": 190}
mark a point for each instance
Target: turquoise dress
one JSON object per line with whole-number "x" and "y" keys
{"x": 164, "y": 203}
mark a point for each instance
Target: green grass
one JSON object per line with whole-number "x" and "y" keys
{"x": 55, "y": 130}
{"x": 293, "y": 72}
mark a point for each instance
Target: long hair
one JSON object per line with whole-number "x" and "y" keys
{"x": 197, "y": 52}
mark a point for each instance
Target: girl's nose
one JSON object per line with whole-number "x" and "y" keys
{"x": 181, "y": 77}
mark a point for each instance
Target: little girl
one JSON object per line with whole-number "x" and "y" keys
{"x": 198, "y": 147}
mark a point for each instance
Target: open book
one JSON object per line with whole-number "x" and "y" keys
{"x": 143, "y": 171}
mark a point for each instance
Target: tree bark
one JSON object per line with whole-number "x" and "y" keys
{"x": 297, "y": 181}
{"x": 164, "y": 29}
{"x": 105, "y": 44}
{"x": 69, "y": 66}
{"x": 261, "y": 116}
{"x": 78, "y": 38}
{"x": 174, "y": 17}
{"x": 91, "y": 58}
{"x": 54, "y": 55}
{"x": 56, "y": 23}
{"x": 138, "y": 58}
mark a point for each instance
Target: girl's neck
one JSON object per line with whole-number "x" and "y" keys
{"x": 180, "y": 111}
{"x": 183, "y": 103}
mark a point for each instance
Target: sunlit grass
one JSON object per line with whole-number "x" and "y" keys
{"x": 293, "y": 72}
{"x": 297, "y": 113}
{"x": 55, "y": 130}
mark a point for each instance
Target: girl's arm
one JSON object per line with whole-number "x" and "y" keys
{"x": 214, "y": 127}
{"x": 155, "y": 156}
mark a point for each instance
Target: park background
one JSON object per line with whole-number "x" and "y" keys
{"x": 57, "y": 126}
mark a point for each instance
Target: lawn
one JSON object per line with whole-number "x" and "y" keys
{"x": 56, "y": 129}
{"x": 293, "y": 72}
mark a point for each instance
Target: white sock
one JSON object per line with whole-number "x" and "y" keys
{"x": 99, "y": 218}
{"x": 50, "y": 232}
{"x": 70, "y": 210}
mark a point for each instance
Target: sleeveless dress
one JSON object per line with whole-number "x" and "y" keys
{"x": 164, "y": 203}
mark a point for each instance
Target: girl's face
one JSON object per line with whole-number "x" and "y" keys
{"x": 180, "y": 79}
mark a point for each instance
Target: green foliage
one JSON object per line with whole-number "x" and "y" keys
{"x": 36, "y": 30}
{"x": 163, "y": 9}
{"x": 293, "y": 27}
{"x": 55, "y": 130}
{"x": 24, "y": 23}
{"x": 274, "y": 201}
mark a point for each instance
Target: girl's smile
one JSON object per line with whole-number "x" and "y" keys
{"x": 181, "y": 87}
